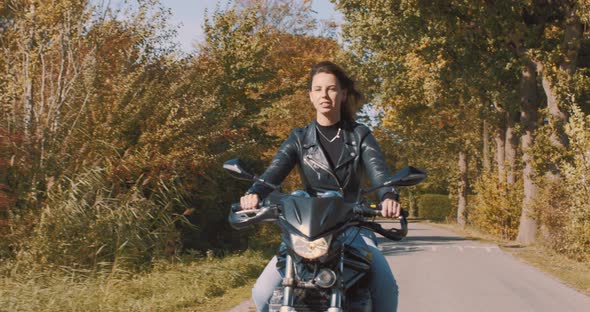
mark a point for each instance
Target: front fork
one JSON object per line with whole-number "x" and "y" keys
{"x": 289, "y": 282}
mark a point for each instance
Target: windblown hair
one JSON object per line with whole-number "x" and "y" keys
{"x": 354, "y": 98}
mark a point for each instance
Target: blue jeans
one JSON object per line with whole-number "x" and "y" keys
{"x": 384, "y": 290}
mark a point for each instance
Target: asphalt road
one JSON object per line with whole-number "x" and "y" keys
{"x": 437, "y": 270}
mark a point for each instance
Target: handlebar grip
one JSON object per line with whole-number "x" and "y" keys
{"x": 368, "y": 210}
{"x": 375, "y": 211}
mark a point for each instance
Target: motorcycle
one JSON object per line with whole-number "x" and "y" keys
{"x": 321, "y": 271}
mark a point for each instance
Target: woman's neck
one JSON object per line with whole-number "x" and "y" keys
{"x": 324, "y": 120}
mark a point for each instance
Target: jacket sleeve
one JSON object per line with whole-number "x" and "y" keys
{"x": 281, "y": 165}
{"x": 375, "y": 165}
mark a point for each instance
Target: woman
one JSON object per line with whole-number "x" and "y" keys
{"x": 332, "y": 153}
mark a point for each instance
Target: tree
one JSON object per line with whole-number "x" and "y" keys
{"x": 500, "y": 50}
{"x": 423, "y": 61}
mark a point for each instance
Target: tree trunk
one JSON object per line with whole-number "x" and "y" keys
{"x": 499, "y": 136}
{"x": 28, "y": 95}
{"x": 527, "y": 230}
{"x": 29, "y": 118}
{"x": 557, "y": 116}
{"x": 510, "y": 148}
{"x": 486, "y": 148}
{"x": 463, "y": 185}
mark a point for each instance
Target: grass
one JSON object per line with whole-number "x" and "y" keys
{"x": 230, "y": 299}
{"x": 203, "y": 285}
{"x": 573, "y": 273}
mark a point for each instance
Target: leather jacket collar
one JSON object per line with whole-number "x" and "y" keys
{"x": 311, "y": 144}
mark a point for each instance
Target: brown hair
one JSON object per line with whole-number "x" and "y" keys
{"x": 354, "y": 98}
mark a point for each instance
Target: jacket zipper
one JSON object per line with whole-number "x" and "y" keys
{"x": 327, "y": 170}
{"x": 346, "y": 182}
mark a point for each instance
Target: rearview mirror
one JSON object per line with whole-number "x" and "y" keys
{"x": 234, "y": 167}
{"x": 407, "y": 176}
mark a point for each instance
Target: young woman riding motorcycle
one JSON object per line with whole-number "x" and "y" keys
{"x": 333, "y": 153}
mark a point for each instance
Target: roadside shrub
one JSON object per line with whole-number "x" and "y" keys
{"x": 496, "y": 208}
{"x": 576, "y": 175}
{"x": 434, "y": 206}
{"x": 551, "y": 209}
{"x": 563, "y": 205}
{"x": 85, "y": 225}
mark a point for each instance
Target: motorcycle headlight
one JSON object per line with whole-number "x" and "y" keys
{"x": 311, "y": 249}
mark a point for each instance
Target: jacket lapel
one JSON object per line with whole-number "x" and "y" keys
{"x": 314, "y": 151}
{"x": 349, "y": 146}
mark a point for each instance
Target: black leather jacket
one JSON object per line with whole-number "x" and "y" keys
{"x": 361, "y": 155}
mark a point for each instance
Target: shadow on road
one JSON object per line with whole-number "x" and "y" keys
{"x": 416, "y": 243}
{"x": 434, "y": 239}
{"x": 431, "y": 240}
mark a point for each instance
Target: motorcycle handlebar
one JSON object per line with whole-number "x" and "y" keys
{"x": 240, "y": 219}
{"x": 374, "y": 210}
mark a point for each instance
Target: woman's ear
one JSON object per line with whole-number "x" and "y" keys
{"x": 344, "y": 95}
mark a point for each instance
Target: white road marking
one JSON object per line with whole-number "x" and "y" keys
{"x": 434, "y": 248}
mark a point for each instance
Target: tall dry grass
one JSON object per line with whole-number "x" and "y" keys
{"x": 99, "y": 246}
{"x": 91, "y": 224}
{"x": 182, "y": 286}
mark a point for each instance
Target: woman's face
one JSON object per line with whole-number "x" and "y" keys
{"x": 326, "y": 95}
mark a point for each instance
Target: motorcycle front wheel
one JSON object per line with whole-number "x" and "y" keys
{"x": 358, "y": 299}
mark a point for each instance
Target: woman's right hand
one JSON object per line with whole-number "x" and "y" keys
{"x": 249, "y": 201}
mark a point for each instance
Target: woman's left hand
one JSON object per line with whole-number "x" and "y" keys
{"x": 390, "y": 208}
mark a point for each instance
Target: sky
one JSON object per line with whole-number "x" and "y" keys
{"x": 189, "y": 14}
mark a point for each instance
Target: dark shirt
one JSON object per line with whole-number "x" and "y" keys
{"x": 331, "y": 142}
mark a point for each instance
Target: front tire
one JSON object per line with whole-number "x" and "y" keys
{"x": 304, "y": 300}
{"x": 358, "y": 299}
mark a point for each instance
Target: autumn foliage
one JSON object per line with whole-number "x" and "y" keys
{"x": 480, "y": 93}
{"x": 111, "y": 142}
